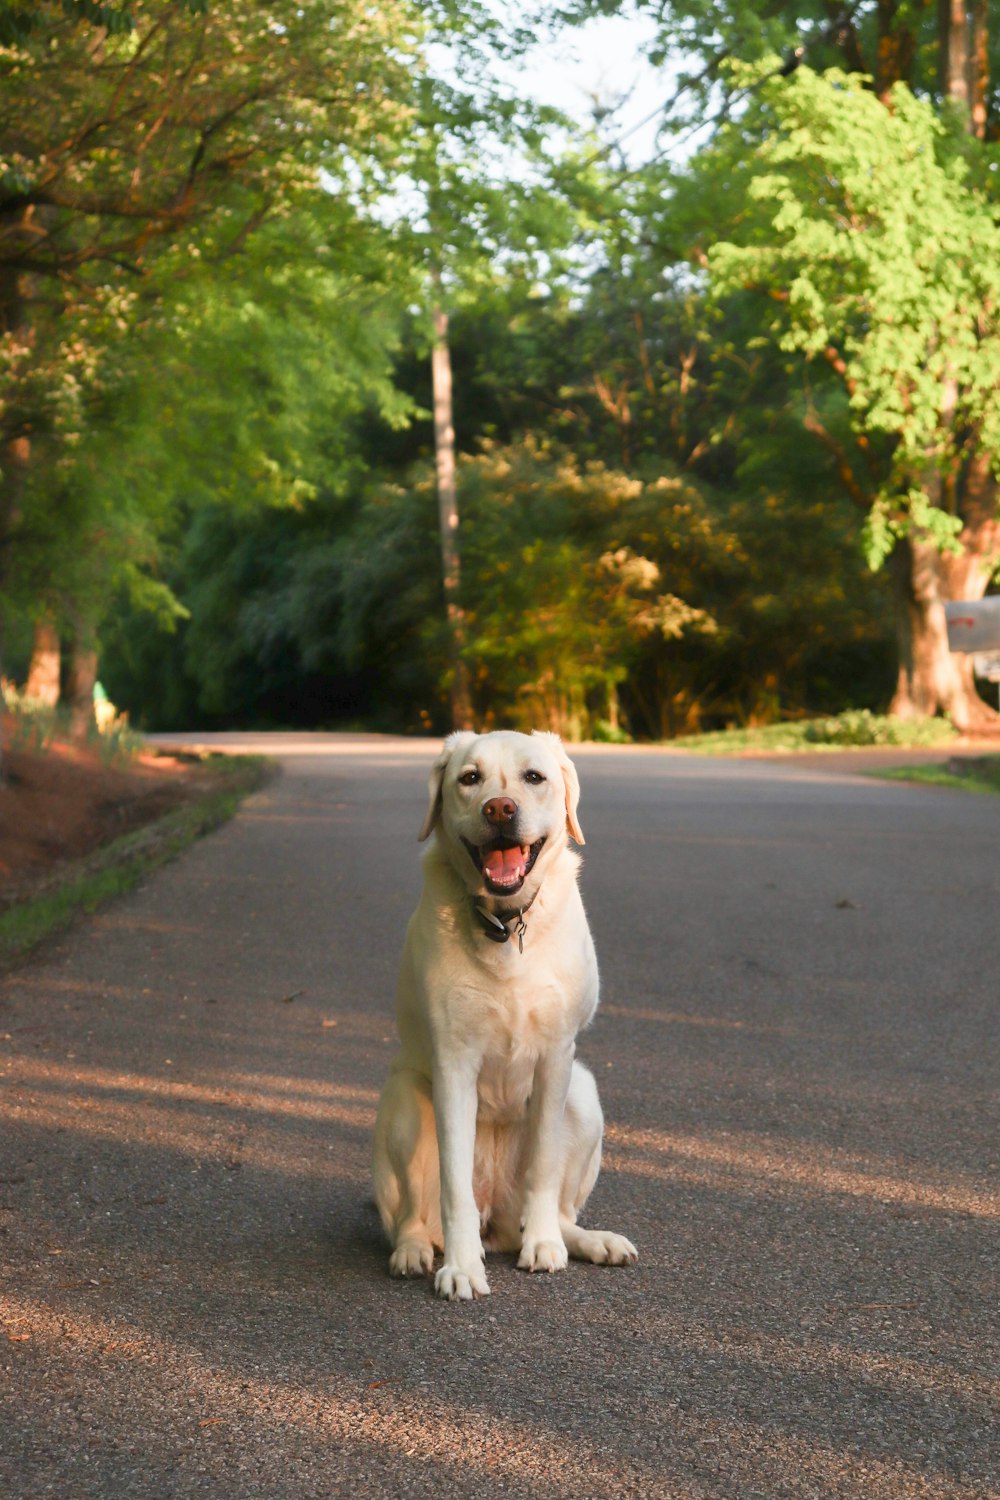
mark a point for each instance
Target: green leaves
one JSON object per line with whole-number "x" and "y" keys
{"x": 892, "y": 519}
{"x": 115, "y": 17}
{"x": 881, "y": 255}
{"x": 188, "y": 279}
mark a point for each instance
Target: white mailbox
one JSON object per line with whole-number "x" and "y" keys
{"x": 974, "y": 624}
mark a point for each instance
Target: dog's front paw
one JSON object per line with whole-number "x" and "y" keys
{"x": 606, "y": 1249}
{"x": 461, "y": 1283}
{"x": 412, "y": 1258}
{"x": 543, "y": 1255}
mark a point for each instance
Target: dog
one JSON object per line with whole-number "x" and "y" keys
{"x": 488, "y": 1132}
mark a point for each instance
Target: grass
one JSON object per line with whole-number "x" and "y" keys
{"x": 979, "y": 773}
{"x": 855, "y": 728}
{"x": 858, "y": 727}
{"x": 117, "y": 867}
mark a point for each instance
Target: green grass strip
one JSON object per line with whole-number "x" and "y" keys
{"x": 973, "y": 774}
{"x": 116, "y": 868}
{"x": 854, "y": 729}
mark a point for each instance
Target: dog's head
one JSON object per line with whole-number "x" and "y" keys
{"x": 503, "y": 804}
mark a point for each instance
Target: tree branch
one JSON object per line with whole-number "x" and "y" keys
{"x": 845, "y": 472}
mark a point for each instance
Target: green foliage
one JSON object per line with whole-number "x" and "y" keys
{"x": 32, "y": 726}
{"x": 560, "y": 589}
{"x": 328, "y": 613}
{"x": 331, "y": 612}
{"x": 37, "y": 727}
{"x": 18, "y": 18}
{"x": 663, "y": 496}
{"x": 118, "y": 744}
{"x": 240, "y": 392}
{"x": 881, "y": 256}
{"x": 853, "y": 727}
{"x": 136, "y": 168}
{"x": 895, "y": 516}
{"x": 889, "y": 41}
{"x": 861, "y": 727}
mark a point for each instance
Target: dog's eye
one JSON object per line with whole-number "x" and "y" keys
{"x": 469, "y": 778}
{"x": 534, "y": 778}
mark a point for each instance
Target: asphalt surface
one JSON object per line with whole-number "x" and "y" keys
{"x": 797, "y": 1054}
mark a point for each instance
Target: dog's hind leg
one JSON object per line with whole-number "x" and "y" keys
{"x": 406, "y": 1173}
{"x": 583, "y": 1127}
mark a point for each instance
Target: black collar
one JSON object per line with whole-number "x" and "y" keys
{"x": 500, "y": 926}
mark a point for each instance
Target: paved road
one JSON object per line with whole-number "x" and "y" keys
{"x": 798, "y": 1057}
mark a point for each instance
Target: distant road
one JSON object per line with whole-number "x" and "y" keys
{"x": 797, "y": 1053}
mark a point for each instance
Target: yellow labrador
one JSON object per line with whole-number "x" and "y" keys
{"x": 487, "y": 1128}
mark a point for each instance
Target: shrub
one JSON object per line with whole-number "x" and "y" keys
{"x": 859, "y": 726}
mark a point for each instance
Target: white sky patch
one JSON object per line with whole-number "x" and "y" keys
{"x": 602, "y": 64}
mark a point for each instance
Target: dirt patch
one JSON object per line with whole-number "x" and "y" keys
{"x": 59, "y": 805}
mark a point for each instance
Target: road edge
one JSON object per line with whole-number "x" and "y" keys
{"x": 87, "y": 884}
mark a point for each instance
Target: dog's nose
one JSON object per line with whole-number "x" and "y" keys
{"x": 500, "y": 810}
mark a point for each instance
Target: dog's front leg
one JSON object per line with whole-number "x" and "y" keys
{"x": 542, "y": 1244}
{"x": 455, "y": 1104}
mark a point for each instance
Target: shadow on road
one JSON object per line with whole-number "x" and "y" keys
{"x": 801, "y": 1137}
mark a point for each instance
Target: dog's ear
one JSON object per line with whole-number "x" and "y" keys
{"x": 571, "y": 783}
{"x": 454, "y": 742}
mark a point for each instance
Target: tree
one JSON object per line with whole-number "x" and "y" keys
{"x": 19, "y": 18}
{"x": 878, "y": 252}
{"x": 238, "y": 410}
{"x": 886, "y": 41}
{"x": 964, "y": 50}
{"x": 562, "y": 596}
{"x": 484, "y": 211}
{"x": 451, "y": 559}
{"x": 145, "y": 146}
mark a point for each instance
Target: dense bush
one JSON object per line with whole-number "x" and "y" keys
{"x": 861, "y": 727}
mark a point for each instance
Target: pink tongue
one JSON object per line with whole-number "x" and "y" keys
{"x": 504, "y": 865}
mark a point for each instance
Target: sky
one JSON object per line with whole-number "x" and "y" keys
{"x": 603, "y": 60}
{"x": 600, "y": 61}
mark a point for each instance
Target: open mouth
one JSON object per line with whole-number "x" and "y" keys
{"x": 503, "y": 864}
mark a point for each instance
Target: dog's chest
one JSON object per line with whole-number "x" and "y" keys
{"x": 505, "y": 1086}
{"x": 523, "y": 1022}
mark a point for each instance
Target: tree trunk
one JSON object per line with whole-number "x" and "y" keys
{"x": 964, "y": 58}
{"x": 14, "y": 459}
{"x": 933, "y": 679}
{"x": 953, "y": 50}
{"x": 979, "y": 67}
{"x": 444, "y": 448}
{"x": 613, "y": 709}
{"x": 15, "y": 452}
{"x": 81, "y": 694}
{"x": 42, "y": 685}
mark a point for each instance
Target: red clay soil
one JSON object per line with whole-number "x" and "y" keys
{"x": 60, "y": 804}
